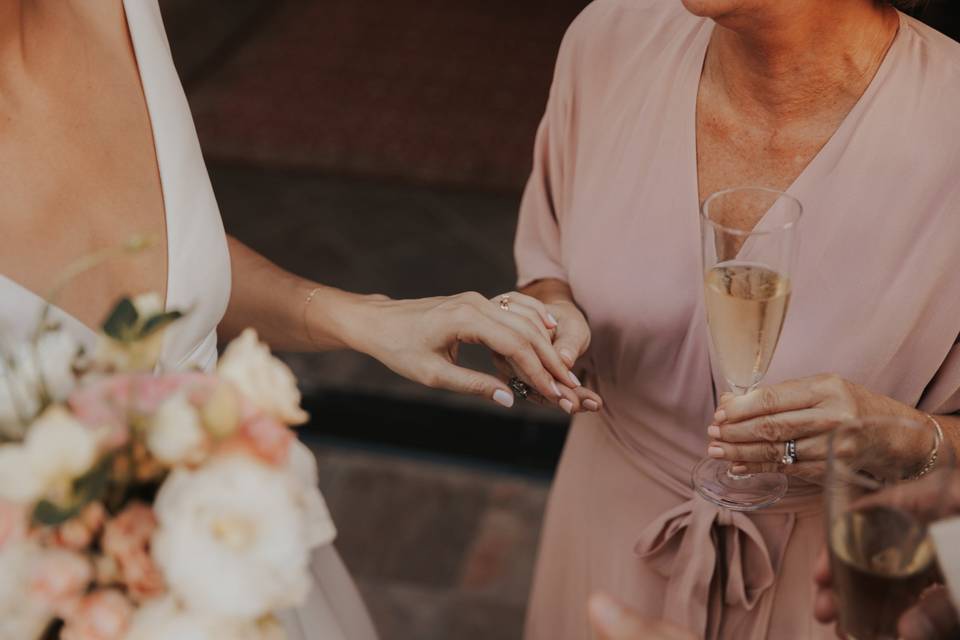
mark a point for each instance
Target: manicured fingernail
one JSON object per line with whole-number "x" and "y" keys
{"x": 503, "y": 398}
{"x": 567, "y": 356}
{"x": 713, "y": 431}
{"x": 738, "y": 469}
{"x": 606, "y": 613}
{"x": 552, "y": 319}
{"x": 715, "y": 452}
{"x": 720, "y": 416}
{"x": 567, "y": 406}
{"x": 591, "y": 405}
{"x": 574, "y": 379}
{"x": 555, "y": 388}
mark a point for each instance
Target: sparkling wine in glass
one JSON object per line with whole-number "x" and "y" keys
{"x": 881, "y": 557}
{"x": 749, "y": 243}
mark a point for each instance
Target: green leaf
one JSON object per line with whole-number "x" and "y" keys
{"x": 158, "y": 322}
{"x": 86, "y": 489}
{"x": 50, "y": 514}
{"x": 122, "y": 321}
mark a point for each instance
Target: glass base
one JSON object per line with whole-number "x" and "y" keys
{"x": 712, "y": 480}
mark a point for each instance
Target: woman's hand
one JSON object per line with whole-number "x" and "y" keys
{"x": 612, "y": 621}
{"x": 419, "y": 339}
{"x": 751, "y": 430}
{"x": 570, "y": 334}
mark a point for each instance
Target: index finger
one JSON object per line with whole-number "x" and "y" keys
{"x": 763, "y": 401}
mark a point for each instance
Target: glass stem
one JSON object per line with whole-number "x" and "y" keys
{"x": 740, "y": 391}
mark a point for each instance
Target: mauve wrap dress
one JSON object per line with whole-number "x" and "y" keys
{"x": 612, "y": 208}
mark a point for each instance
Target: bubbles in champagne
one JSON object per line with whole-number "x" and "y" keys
{"x": 746, "y": 306}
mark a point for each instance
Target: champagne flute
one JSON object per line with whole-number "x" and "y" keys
{"x": 749, "y": 247}
{"x": 881, "y": 558}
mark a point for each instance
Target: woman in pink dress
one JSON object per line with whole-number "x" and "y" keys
{"x": 848, "y": 105}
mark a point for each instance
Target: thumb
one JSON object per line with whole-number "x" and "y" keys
{"x": 932, "y": 618}
{"x": 449, "y": 376}
{"x": 571, "y": 340}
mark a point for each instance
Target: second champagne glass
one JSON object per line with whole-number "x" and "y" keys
{"x": 749, "y": 248}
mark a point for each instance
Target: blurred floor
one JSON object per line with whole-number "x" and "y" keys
{"x": 381, "y": 147}
{"x": 439, "y": 551}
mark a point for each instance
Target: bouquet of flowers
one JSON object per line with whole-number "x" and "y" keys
{"x": 145, "y": 506}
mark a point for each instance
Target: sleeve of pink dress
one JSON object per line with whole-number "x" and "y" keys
{"x": 538, "y": 249}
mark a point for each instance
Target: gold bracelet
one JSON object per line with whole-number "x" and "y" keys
{"x": 932, "y": 460}
{"x": 306, "y": 306}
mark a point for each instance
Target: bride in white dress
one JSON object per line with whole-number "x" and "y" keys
{"x": 97, "y": 143}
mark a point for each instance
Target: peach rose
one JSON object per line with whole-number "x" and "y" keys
{"x": 102, "y": 615}
{"x": 263, "y": 437}
{"x": 126, "y": 540}
{"x": 79, "y": 533}
{"x": 59, "y": 579}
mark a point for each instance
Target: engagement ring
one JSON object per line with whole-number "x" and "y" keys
{"x": 519, "y": 387}
{"x": 789, "y": 452}
{"x": 505, "y": 304}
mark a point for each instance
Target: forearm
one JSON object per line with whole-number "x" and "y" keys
{"x": 274, "y": 302}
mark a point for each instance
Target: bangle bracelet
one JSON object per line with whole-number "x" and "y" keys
{"x": 932, "y": 459}
{"x": 306, "y": 306}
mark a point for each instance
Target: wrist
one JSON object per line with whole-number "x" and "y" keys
{"x": 339, "y": 319}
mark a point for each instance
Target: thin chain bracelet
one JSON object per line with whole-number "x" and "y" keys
{"x": 306, "y": 307}
{"x": 932, "y": 460}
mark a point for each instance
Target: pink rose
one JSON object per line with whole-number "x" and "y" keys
{"x": 102, "y": 615}
{"x": 108, "y": 403}
{"x": 263, "y": 437}
{"x": 13, "y": 523}
{"x": 126, "y": 539}
{"x": 59, "y": 578}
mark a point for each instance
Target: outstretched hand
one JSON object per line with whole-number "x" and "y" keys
{"x": 419, "y": 339}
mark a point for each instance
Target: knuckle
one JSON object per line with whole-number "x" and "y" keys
{"x": 472, "y": 298}
{"x": 769, "y": 429}
{"x": 768, "y": 399}
{"x": 771, "y": 451}
{"x": 431, "y": 377}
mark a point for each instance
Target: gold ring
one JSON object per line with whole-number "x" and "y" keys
{"x": 505, "y": 303}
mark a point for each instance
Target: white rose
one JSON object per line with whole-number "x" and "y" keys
{"x": 233, "y": 539}
{"x": 176, "y": 434}
{"x": 264, "y": 380}
{"x": 302, "y": 469}
{"x": 56, "y": 451}
{"x": 21, "y": 617}
{"x": 163, "y": 619}
{"x": 53, "y": 356}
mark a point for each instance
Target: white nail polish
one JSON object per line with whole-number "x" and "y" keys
{"x": 574, "y": 379}
{"x": 555, "y": 388}
{"x": 591, "y": 405}
{"x": 503, "y": 398}
{"x": 566, "y": 405}
{"x": 552, "y": 319}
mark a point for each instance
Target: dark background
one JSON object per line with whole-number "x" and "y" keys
{"x": 382, "y": 146}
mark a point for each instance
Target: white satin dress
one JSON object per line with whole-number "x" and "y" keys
{"x": 198, "y": 279}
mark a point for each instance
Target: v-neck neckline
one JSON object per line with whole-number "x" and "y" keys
{"x": 136, "y": 46}
{"x": 841, "y": 132}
